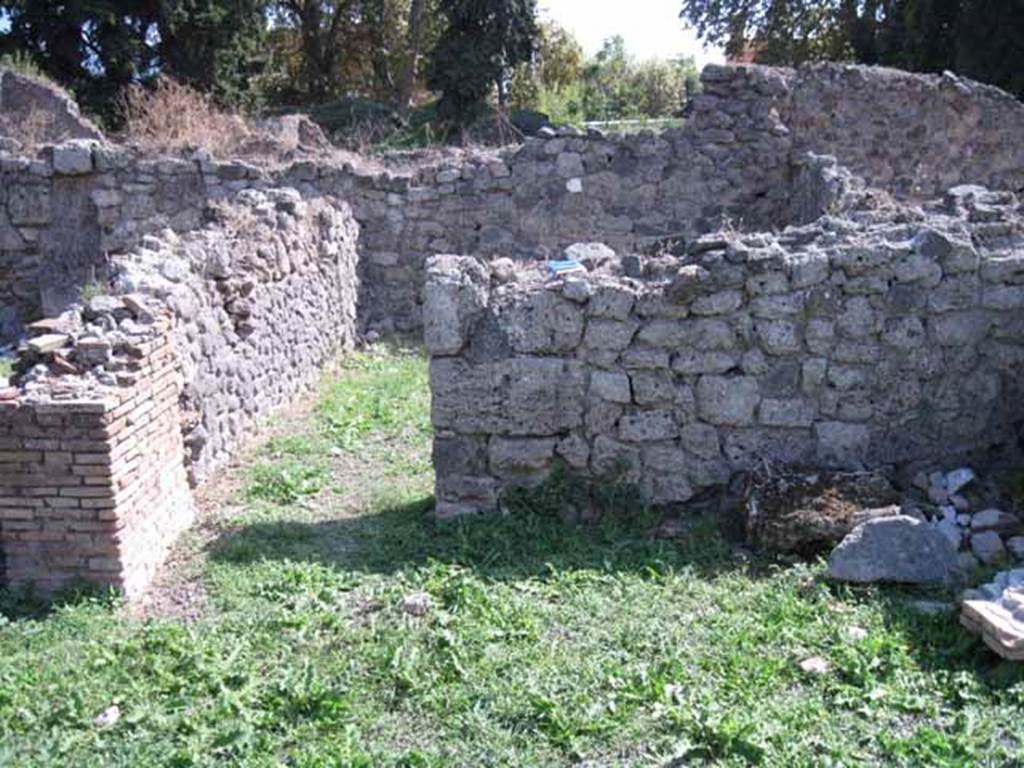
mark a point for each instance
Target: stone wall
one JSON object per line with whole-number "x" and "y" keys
{"x": 264, "y": 295}
{"x": 915, "y": 135}
{"x": 894, "y": 334}
{"x": 92, "y": 478}
{"x": 737, "y": 160}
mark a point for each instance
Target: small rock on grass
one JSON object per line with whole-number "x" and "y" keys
{"x": 815, "y": 665}
{"x": 416, "y": 604}
{"x": 855, "y": 634}
{"x": 108, "y": 717}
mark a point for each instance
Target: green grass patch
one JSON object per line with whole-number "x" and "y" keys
{"x": 546, "y": 643}
{"x": 6, "y": 368}
{"x": 382, "y": 398}
{"x": 285, "y": 482}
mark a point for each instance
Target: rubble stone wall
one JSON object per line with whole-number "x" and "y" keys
{"x": 264, "y": 295}
{"x": 94, "y": 488}
{"x": 736, "y": 160}
{"x": 893, "y": 335}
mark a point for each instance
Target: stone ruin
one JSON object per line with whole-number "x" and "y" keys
{"x": 872, "y": 336}
{"x": 823, "y": 266}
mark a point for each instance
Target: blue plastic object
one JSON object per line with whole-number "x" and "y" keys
{"x": 562, "y": 267}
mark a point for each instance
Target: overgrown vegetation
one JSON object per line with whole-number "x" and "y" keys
{"x": 171, "y": 116}
{"x": 544, "y": 641}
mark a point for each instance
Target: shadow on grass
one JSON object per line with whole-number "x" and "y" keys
{"x": 23, "y": 603}
{"x": 502, "y": 547}
{"x": 934, "y": 640}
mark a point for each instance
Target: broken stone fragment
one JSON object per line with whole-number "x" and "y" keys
{"x": 576, "y": 288}
{"x": 958, "y": 479}
{"x": 138, "y": 305}
{"x": 988, "y": 547}
{"x": 688, "y": 282}
{"x": 93, "y": 350}
{"x": 1015, "y": 546}
{"x": 896, "y": 549}
{"x": 417, "y": 604}
{"x": 996, "y": 612}
{"x": 47, "y": 343}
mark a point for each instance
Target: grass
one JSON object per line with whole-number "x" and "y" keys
{"x": 6, "y": 368}
{"x": 545, "y": 643}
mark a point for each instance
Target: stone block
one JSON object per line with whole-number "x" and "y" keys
{"x": 727, "y": 400}
{"x": 841, "y": 444}
{"x": 613, "y": 387}
{"x": 647, "y": 426}
{"x": 520, "y": 456}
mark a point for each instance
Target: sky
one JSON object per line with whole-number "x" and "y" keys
{"x": 651, "y": 28}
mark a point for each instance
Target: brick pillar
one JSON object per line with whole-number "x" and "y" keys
{"x": 94, "y": 488}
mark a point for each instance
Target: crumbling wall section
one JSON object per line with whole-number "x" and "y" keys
{"x": 894, "y": 335}
{"x": 92, "y": 478}
{"x": 912, "y": 134}
{"x": 264, "y": 295}
{"x": 737, "y": 160}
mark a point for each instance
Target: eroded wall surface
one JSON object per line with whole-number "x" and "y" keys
{"x": 93, "y": 485}
{"x": 733, "y": 161}
{"x": 891, "y": 335}
{"x": 264, "y": 294}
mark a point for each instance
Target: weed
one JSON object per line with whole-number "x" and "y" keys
{"x": 285, "y": 482}
{"x": 172, "y": 117}
{"x": 90, "y": 290}
{"x": 23, "y": 64}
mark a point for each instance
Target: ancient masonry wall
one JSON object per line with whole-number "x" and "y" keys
{"x": 65, "y": 214}
{"x": 895, "y": 335}
{"x": 267, "y": 274}
{"x": 265, "y": 294}
{"x": 93, "y": 488}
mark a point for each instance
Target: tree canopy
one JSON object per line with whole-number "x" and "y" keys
{"x": 982, "y": 39}
{"x": 481, "y": 44}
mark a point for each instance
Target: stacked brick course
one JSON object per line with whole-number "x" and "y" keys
{"x": 94, "y": 488}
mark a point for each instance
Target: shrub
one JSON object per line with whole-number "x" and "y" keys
{"x": 21, "y": 63}
{"x": 172, "y": 117}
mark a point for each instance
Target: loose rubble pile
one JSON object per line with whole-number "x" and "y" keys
{"x": 87, "y": 348}
{"x": 786, "y": 510}
{"x": 960, "y": 507}
{"x": 939, "y": 506}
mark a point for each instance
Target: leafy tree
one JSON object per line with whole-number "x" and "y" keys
{"x": 215, "y": 46}
{"x": 983, "y": 39}
{"x": 483, "y": 41}
{"x": 549, "y": 80}
{"x": 98, "y": 47}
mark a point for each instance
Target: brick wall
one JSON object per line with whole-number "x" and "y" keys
{"x": 94, "y": 488}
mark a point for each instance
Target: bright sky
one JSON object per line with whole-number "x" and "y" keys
{"x": 651, "y": 28}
